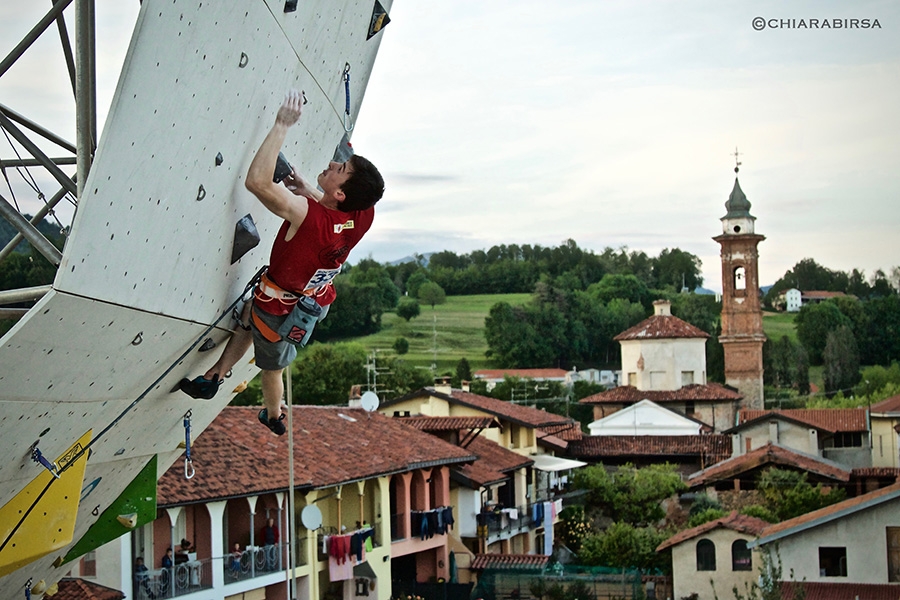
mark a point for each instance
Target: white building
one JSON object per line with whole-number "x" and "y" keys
{"x": 645, "y": 418}
{"x": 793, "y": 300}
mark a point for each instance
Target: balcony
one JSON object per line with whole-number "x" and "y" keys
{"x": 499, "y": 523}
{"x": 196, "y": 575}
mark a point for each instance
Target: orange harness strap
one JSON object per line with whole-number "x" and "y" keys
{"x": 266, "y": 331}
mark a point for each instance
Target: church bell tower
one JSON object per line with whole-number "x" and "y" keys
{"x": 742, "y": 334}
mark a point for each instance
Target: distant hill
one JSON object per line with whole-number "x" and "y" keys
{"x": 49, "y": 229}
{"x": 426, "y": 256}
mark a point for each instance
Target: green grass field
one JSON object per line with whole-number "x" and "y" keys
{"x": 459, "y": 325}
{"x": 443, "y": 335}
{"x": 778, "y": 324}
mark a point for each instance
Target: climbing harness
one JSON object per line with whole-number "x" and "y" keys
{"x": 348, "y": 126}
{"x": 188, "y": 463}
{"x": 37, "y": 457}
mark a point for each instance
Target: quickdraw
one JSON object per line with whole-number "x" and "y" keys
{"x": 189, "y": 471}
{"x": 37, "y": 457}
{"x": 348, "y": 126}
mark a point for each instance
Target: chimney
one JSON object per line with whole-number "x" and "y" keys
{"x": 442, "y": 385}
{"x": 355, "y": 396}
{"x": 662, "y": 308}
{"x": 465, "y": 385}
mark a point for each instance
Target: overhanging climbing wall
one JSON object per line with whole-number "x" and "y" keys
{"x": 147, "y": 267}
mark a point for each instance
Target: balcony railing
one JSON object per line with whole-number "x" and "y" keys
{"x": 502, "y": 521}
{"x": 253, "y": 562}
{"x": 192, "y": 576}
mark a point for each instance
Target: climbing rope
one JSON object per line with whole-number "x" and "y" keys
{"x": 292, "y": 592}
{"x": 128, "y": 408}
{"x": 188, "y": 463}
{"x": 348, "y": 126}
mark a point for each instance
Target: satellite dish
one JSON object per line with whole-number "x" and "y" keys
{"x": 369, "y": 401}
{"x": 311, "y": 517}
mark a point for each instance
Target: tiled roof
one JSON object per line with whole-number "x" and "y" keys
{"x": 661, "y": 327}
{"x": 734, "y": 521}
{"x": 524, "y": 415}
{"x": 521, "y": 373}
{"x": 820, "y": 590}
{"x": 494, "y": 463}
{"x": 694, "y": 392}
{"x": 820, "y": 295}
{"x": 551, "y": 441}
{"x": 449, "y": 423}
{"x": 830, "y": 419}
{"x": 73, "y": 588}
{"x": 716, "y": 447}
{"x": 888, "y": 405}
{"x": 509, "y": 561}
{"x": 829, "y": 513}
{"x": 570, "y": 432}
{"x": 765, "y": 455}
{"x": 861, "y": 472}
{"x": 236, "y": 456}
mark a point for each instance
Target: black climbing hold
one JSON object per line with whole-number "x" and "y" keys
{"x": 246, "y": 237}
{"x": 201, "y": 193}
{"x": 219, "y": 159}
{"x": 380, "y": 19}
{"x": 290, "y": 6}
{"x": 208, "y": 344}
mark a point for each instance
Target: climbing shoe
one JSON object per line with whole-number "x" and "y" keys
{"x": 275, "y": 425}
{"x": 200, "y": 388}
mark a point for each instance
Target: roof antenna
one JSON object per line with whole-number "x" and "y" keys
{"x": 737, "y": 163}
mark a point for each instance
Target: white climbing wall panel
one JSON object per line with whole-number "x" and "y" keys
{"x": 147, "y": 266}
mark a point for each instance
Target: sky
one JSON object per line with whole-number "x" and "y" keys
{"x": 609, "y": 123}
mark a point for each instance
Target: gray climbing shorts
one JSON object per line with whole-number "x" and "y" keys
{"x": 274, "y": 356}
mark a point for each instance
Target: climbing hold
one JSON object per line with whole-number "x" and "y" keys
{"x": 240, "y": 387}
{"x": 343, "y": 151}
{"x": 244, "y": 60}
{"x": 246, "y": 238}
{"x": 52, "y": 590}
{"x": 39, "y": 588}
{"x": 128, "y": 521}
{"x": 138, "y": 339}
{"x": 208, "y": 344}
{"x": 219, "y": 159}
{"x": 290, "y": 6}
{"x": 201, "y": 193}
{"x": 379, "y": 20}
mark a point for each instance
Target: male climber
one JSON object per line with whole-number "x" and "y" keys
{"x": 319, "y": 230}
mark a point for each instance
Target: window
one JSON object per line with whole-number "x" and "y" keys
{"x": 741, "y": 557}
{"x": 848, "y": 439}
{"x": 89, "y": 565}
{"x": 740, "y": 278}
{"x": 832, "y": 562}
{"x": 893, "y": 550}
{"x": 706, "y": 556}
{"x": 689, "y": 408}
{"x": 632, "y": 379}
{"x": 687, "y": 378}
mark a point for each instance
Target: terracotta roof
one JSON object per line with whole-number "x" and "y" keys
{"x": 570, "y": 432}
{"x": 449, "y": 423}
{"x": 73, "y": 588}
{"x": 716, "y": 447}
{"x": 551, "y": 441}
{"x": 888, "y": 405}
{"x": 521, "y": 373}
{"x": 862, "y": 472}
{"x": 524, "y": 415}
{"x": 494, "y": 463}
{"x": 734, "y": 521}
{"x": 661, "y": 327}
{"x": 766, "y": 455}
{"x": 509, "y": 561}
{"x": 830, "y": 419}
{"x": 236, "y": 456}
{"x": 820, "y": 295}
{"x": 819, "y": 590}
{"x": 696, "y": 392}
{"x": 829, "y": 513}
